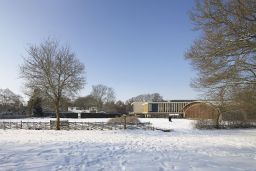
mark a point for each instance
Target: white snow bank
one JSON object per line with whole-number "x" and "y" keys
{"x": 127, "y": 150}
{"x": 176, "y": 124}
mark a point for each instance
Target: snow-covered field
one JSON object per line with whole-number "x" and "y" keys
{"x": 182, "y": 149}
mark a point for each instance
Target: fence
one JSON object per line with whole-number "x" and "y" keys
{"x": 66, "y": 125}
{"x": 25, "y": 125}
{"x": 10, "y": 116}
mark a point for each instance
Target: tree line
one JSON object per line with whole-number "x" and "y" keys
{"x": 101, "y": 97}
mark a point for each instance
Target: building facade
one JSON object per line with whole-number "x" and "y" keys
{"x": 160, "y": 109}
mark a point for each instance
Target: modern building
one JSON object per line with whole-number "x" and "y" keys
{"x": 200, "y": 110}
{"x": 78, "y": 110}
{"x": 160, "y": 109}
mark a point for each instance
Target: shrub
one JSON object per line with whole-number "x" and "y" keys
{"x": 205, "y": 124}
{"x": 120, "y": 120}
{"x": 211, "y": 124}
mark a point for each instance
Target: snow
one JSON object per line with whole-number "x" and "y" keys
{"x": 184, "y": 148}
{"x": 176, "y": 124}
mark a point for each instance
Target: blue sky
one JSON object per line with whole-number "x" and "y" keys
{"x": 133, "y": 46}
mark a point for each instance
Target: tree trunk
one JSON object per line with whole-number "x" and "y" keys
{"x": 57, "y": 108}
{"x": 218, "y": 118}
{"x": 217, "y": 121}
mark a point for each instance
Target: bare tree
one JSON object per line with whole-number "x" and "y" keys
{"x": 6, "y": 97}
{"x": 54, "y": 70}
{"x": 154, "y": 97}
{"x": 85, "y": 102}
{"x": 225, "y": 54}
{"x": 10, "y": 99}
{"x": 121, "y": 107}
{"x": 103, "y": 94}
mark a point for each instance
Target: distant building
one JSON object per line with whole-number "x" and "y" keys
{"x": 78, "y": 110}
{"x": 160, "y": 109}
{"x": 201, "y": 110}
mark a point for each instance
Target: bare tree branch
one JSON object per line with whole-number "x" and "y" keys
{"x": 53, "y": 70}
